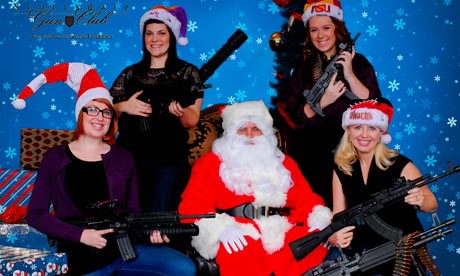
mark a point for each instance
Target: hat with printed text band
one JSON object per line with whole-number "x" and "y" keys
{"x": 376, "y": 113}
{"x": 331, "y": 8}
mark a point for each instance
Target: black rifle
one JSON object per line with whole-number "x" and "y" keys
{"x": 234, "y": 42}
{"x": 168, "y": 91}
{"x": 365, "y": 213}
{"x": 105, "y": 215}
{"x": 315, "y": 94}
{"x": 346, "y": 266}
{"x": 206, "y": 71}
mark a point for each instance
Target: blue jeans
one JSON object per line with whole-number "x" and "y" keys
{"x": 151, "y": 260}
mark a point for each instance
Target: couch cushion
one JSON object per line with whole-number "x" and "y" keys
{"x": 36, "y": 141}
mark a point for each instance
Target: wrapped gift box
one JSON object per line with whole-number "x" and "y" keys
{"x": 22, "y": 235}
{"x": 24, "y": 261}
{"x": 15, "y": 190}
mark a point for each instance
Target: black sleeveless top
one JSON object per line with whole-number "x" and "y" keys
{"x": 400, "y": 215}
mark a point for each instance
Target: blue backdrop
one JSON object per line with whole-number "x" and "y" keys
{"x": 413, "y": 45}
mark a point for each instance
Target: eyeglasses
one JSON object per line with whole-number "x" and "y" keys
{"x": 94, "y": 111}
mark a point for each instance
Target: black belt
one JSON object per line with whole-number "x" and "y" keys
{"x": 251, "y": 212}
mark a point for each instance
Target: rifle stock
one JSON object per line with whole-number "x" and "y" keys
{"x": 301, "y": 247}
{"x": 366, "y": 213}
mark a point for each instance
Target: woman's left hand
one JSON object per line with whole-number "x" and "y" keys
{"x": 156, "y": 237}
{"x": 415, "y": 197}
{"x": 345, "y": 59}
{"x": 176, "y": 109}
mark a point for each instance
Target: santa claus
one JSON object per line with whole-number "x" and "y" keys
{"x": 261, "y": 200}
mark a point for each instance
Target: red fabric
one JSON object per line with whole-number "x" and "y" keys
{"x": 14, "y": 214}
{"x": 90, "y": 80}
{"x": 57, "y": 73}
{"x": 25, "y": 93}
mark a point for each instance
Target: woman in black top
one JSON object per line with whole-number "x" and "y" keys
{"x": 158, "y": 100}
{"x": 364, "y": 165}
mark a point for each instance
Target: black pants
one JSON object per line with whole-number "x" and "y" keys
{"x": 161, "y": 184}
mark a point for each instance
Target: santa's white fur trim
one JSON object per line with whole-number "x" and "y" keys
{"x": 320, "y": 217}
{"x": 207, "y": 242}
{"x": 273, "y": 229}
{"x": 237, "y": 114}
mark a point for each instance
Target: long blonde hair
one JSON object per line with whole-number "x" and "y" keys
{"x": 346, "y": 155}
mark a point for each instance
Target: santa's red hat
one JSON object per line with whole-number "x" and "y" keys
{"x": 174, "y": 17}
{"x": 237, "y": 114}
{"x": 82, "y": 78}
{"x": 376, "y": 113}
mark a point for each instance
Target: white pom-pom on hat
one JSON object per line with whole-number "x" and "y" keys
{"x": 370, "y": 112}
{"x": 174, "y": 17}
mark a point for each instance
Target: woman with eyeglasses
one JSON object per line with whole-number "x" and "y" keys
{"x": 90, "y": 170}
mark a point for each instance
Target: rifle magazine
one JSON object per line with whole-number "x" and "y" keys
{"x": 382, "y": 228}
{"x": 126, "y": 248}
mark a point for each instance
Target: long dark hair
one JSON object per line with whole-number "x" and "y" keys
{"x": 316, "y": 58}
{"x": 143, "y": 65}
{"x": 341, "y": 32}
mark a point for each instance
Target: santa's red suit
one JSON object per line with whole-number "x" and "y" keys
{"x": 268, "y": 237}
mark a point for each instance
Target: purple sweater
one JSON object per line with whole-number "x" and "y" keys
{"x": 49, "y": 189}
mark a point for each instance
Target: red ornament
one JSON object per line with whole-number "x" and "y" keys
{"x": 281, "y": 3}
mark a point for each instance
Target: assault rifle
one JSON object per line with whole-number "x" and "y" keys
{"x": 314, "y": 95}
{"x": 346, "y": 266}
{"x": 365, "y": 213}
{"x": 105, "y": 215}
{"x": 172, "y": 88}
{"x": 161, "y": 94}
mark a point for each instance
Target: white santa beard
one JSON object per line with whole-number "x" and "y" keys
{"x": 253, "y": 166}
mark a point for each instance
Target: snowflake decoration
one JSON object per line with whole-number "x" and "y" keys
{"x": 452, "y": 122}
{"x": 399, "y": 24}
{"x": 192, "y": 26}
{"x": 10, "y": 153}
{"x": 393, "y": 85}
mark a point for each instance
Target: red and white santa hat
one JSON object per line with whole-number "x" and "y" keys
{"x": 326, "y": 7}
{"x": 376, "y": 113}
{"x": 174, "y": 17}
{"x": 237, "y": 114}
{"x": 81, "y": 77}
